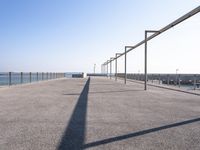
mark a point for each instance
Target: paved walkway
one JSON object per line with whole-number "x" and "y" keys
{"x": 97, "y": 113}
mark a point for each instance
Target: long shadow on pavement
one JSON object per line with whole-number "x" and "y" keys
{"x": 139, "y": 133}
{"x": 73, "y": 137}
{"x": 109, "y": 92}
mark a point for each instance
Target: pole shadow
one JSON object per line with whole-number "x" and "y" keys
{"x": 73, "y": 137}
{"x": 139, "y": 133}
{"x": 99, "y": 92}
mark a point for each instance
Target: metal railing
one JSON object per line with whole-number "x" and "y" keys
{"x": 190, "y": 81}
{"x": 13, "y": 78}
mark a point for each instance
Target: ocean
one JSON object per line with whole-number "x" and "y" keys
{"x": 16, "y": 77}
{"x": 26, "y": 78}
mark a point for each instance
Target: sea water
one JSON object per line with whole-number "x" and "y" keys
{"x": 17, "y": 79}
{"x": 26, "y": 78}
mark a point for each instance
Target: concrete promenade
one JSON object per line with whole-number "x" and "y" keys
{"x": 97, "y": 113}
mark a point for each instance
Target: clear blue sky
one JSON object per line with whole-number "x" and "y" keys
{"x": 72, "y": 35}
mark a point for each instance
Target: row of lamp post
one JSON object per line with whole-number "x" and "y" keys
{"x": 155, "y": 33}
{"x": 117, "y": 55}
{"x": 127, "y": 49}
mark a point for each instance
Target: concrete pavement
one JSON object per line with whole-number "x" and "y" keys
{"x": 97, "y": 114}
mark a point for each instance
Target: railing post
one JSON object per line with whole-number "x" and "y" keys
{"x": 30, "y": 76}
{"x": 10, "y": 78}
{"x": 140, "y": 76}
{"x": 21, "y": 77}
{"x": 176, "y": 80}
{"x": 159, "y": 78}
{"x": 37, "y": 76}
{"x": 179, "y": 81}
{"x": 195, "y": 82}
{"x": 167, "y": 79}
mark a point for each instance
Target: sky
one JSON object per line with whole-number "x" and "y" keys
{"x": 73, "y": 35}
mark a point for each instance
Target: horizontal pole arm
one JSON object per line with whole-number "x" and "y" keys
{"x": 156, "y": 33}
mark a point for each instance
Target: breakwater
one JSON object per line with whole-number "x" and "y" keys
{"x": 168, "y": 79}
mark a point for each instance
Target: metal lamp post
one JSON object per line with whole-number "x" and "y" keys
{"x": 125, "y": 63}
{"x": 116, "y": 55}
{"x": 107, "y": 67}
{"x": 111, "y": 59}
{"x": 145, "y": 56}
